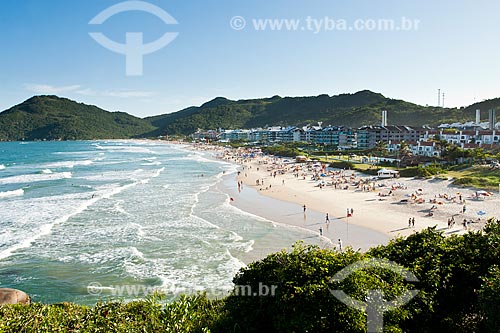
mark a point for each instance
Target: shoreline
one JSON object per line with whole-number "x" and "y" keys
{"x": 379, "y": 210}
{"x": 290, "y": 215}
{"x": 383, "y": 214}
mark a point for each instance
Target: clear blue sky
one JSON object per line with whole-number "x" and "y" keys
{"x": 46, "y": 49}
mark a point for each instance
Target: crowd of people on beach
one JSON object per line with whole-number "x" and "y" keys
{"x": 322, "y": 177}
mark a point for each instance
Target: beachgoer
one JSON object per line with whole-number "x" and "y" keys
{"x": 464, "y": 209}
{"x": 304, "y": 208}
{"x": 321, "y": 231}
{"x": 409, "y": 222}
{"x": 327, "y": 218}
{"x": 413, "y": 222}
{"x": 340, "y": 245}
{"x": 352, "y": 211}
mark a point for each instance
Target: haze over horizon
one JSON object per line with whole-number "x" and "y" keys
{"x": 49, "y": 51}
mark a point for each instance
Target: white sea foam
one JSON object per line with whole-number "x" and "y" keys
{"x": 230, "y": 265}
{"x": 137, "y": 253}
{"x": 197, "y": 218}
{"x": 46, "y": 171}
{"x": 33, "y": 178}
{"x": 46, "y": 229}
{"x": 248, "y": 246}
{"x": 129, "y": 229}
{"x": 2, "y": 167}
{"x": 127, "y": 149}
{"x": 151, "y": 163}
{"x": 88, "y": 152}
{"x": 199, "y": 158}
{"x": 118, "y": 208}
{"x": 15, "y": 193}
{"x": 235, "y": 237}
{"x": 120, "y": 189}
{"x": 138, "y": 174}
{"x": 227, "y": 205}
{"x": 68, "y": 164}
{"x": 140, "y": 229}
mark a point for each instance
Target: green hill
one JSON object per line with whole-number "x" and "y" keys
{"x": 53, "y": 118}
{"x": 354, "y": 110}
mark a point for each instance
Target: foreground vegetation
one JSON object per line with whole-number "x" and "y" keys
{"x": 458, "y": 284}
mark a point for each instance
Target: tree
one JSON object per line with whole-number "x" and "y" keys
{"x": 380, "y": 149}
{"x": 303, "y": 301}
{"x": 405, "y": 150}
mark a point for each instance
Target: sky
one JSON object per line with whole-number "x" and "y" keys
{"x": 229, "y": 48}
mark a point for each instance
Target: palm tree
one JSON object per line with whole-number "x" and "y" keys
{"x": 380, "y": 149}
{"x": 405, "y": 150}
{"x": 442, "y": 146}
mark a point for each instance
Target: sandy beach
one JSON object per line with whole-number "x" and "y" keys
{"x": 290, "y": 215}
{"x": 385, "y": 206}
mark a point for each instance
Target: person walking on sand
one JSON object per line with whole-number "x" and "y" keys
{"x": 413, "y": 222}
{"x": 340, "y": 245}
{"x": 305, "y": 208}
{"x": 352, "y": 212}
{"x": 321, "y": 231}
{"x": 409, "y": 222}
{"x": 327, "y": 218}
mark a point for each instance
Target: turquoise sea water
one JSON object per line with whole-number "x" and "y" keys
{"x": 125, "y": 217}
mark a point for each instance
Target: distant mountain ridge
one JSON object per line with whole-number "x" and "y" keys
{"x": 353, "y": 110}
{"x": 55, "y": 118}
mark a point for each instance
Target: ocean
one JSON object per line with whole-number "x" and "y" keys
{"x": 99, "y": 220}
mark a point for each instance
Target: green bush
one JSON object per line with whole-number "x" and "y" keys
{"x": 343, "y": 165}
{"x": 282, "y": 151}
{"x": 458, "y": 284}
{"x": 409, "y": 172}
{"x": 303, "y": 301}
{"x": 188, "y": 314}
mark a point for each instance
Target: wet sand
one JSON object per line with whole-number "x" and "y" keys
{"x": 292, "y": 215}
